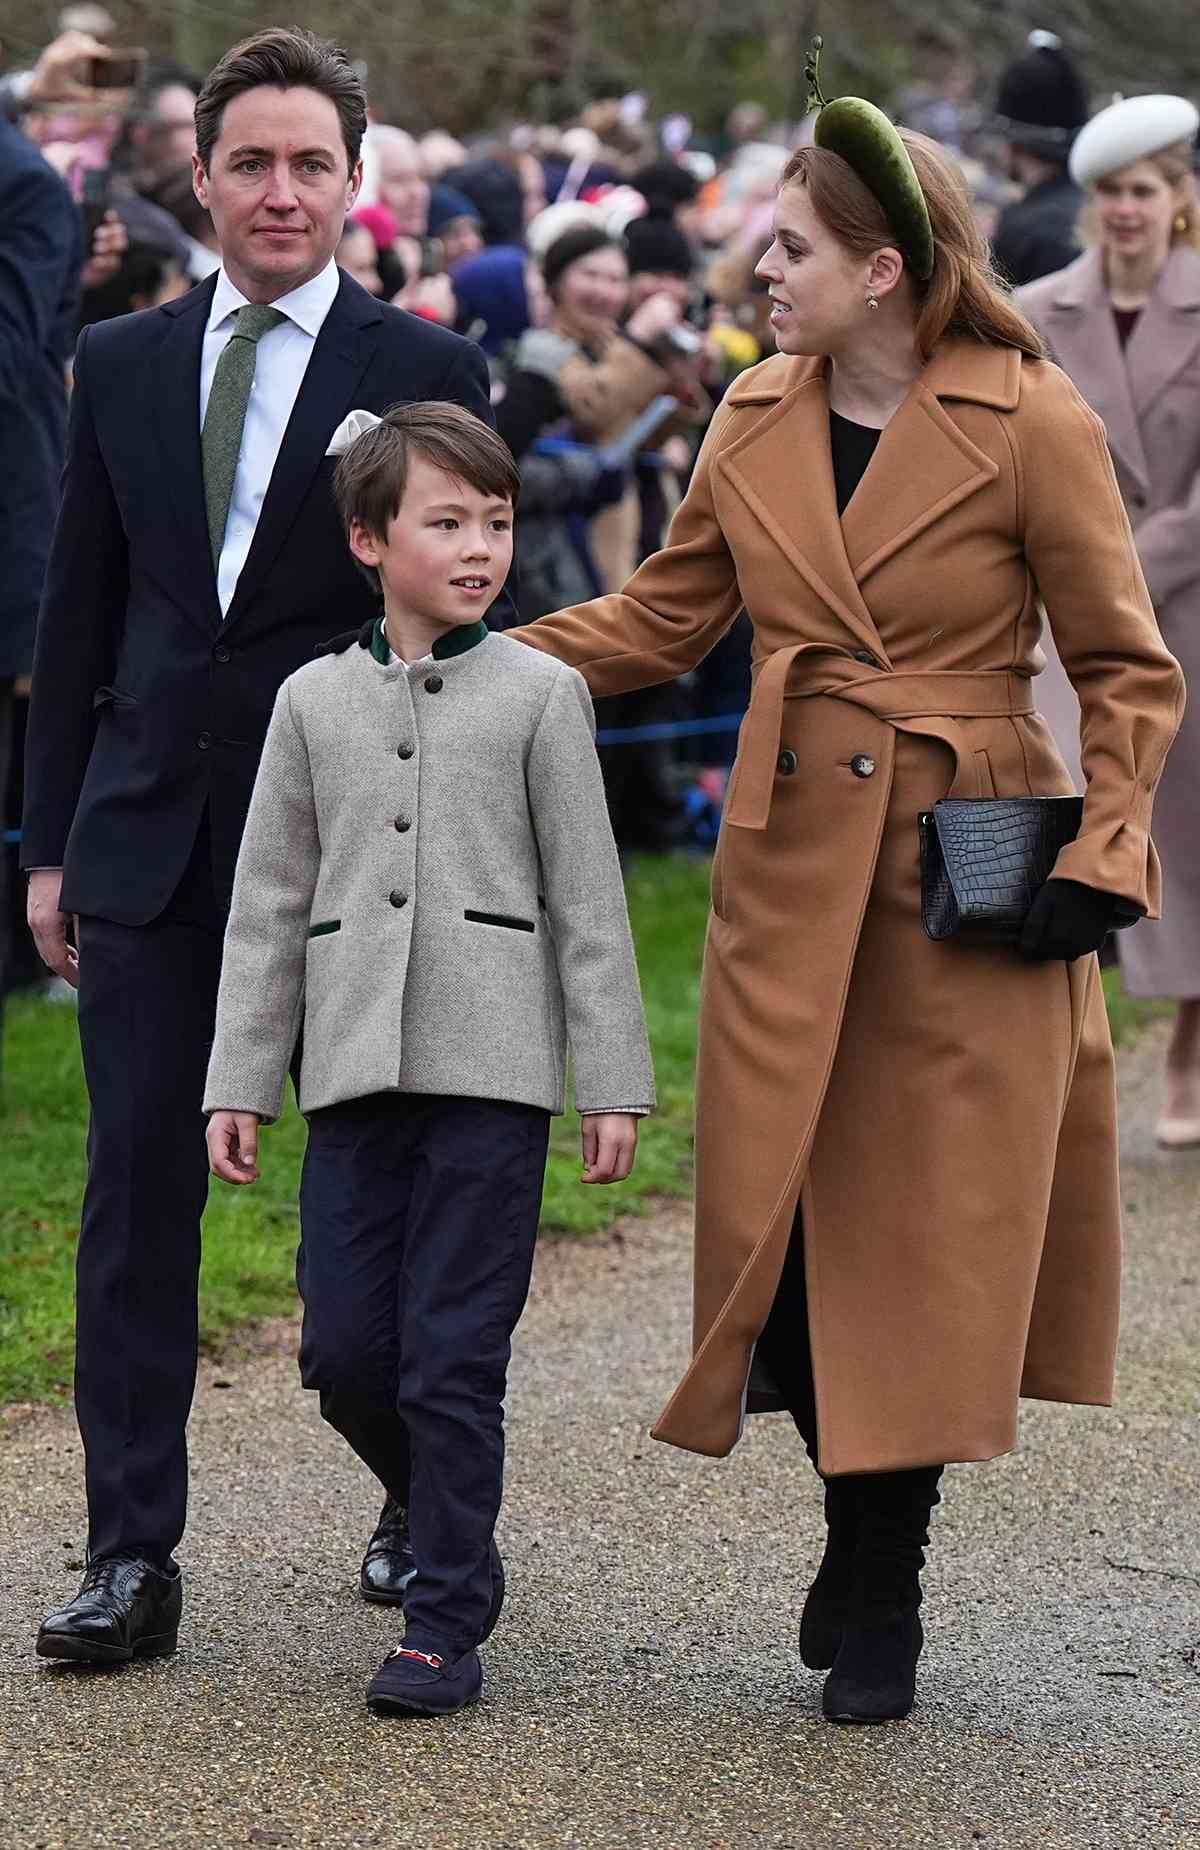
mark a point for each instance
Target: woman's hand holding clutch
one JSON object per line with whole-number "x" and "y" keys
{"x": 1068, "y": 920}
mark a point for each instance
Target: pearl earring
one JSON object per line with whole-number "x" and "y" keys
{"x": 872, "y": 300}
{"x": 1181, "y": 221}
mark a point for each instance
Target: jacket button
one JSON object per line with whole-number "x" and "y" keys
{"x": 222, "y": 655}
{"x": 866, "y": 658}
{"x": 786, "y": 763}
{"x": 204, "y": 741}
{"x": 404, "y": 751}
{"x": 862, "y": 764}
{"x": 397, "y": 898}
{"x": 403, "y": 825}
{"x": 435, "y": 684}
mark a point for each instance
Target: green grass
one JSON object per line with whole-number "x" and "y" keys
{"x": 1128, "y": 1015}
{"x": 250, "y": 1234}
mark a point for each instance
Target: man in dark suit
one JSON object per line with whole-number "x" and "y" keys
{"x": 1041, "y": 105}
{"x": 198, "y": 561}
{"x": 40, "y": 255}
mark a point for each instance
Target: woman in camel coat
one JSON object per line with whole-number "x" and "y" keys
{"x": 1124, "y": 322}
{"x": 934, "y": 1122}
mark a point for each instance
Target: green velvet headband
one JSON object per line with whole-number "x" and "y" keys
{"x": 868, "y": 142}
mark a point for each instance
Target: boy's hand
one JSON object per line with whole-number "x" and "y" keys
{"x": 233, "y": 1145}
{"x": 609, "y": 1145}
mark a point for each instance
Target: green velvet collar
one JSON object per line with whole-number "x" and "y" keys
{"x": 454, "y": 642}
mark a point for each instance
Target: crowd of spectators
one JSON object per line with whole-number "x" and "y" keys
{"x": 606, "y": 266}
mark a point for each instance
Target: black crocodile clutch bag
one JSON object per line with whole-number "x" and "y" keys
{"x": 983, "y": 860}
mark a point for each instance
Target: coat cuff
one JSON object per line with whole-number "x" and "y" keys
{"x": 1116, "y": 858}
{"x": 260, "y": 1096}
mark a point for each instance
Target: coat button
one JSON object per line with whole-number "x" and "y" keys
{"x": 862, "y": 764}
{"x": 786, "y": 763}
{"x": 435, "y": 684}
{"x": 404, "y": 751}
{"x": 397, "y": 898}
{"x": 403, "y": 825}
{"x": 866, "y": 658}
{"x": 204, "y": 741}
{"x": 222, "y": 654}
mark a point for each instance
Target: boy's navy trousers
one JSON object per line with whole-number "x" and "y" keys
{"x": 419, "y": 1215}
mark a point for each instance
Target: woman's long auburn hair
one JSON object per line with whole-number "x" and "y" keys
{"x": 964, "y": 295}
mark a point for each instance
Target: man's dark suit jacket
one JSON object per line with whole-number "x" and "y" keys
{"x": 146, "y": 706}
{"x": 40, "y": 255}
{"x": 1038, "y": 235}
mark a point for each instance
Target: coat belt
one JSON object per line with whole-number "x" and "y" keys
{"x": 928, "y": 702}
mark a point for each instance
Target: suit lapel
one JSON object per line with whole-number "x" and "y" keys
{"x": 783, "y": 470}
{"x": 1083, "y": 339}
{"x": 175, "y": 388}
{"x": 340, "y": 356}
{"x": 1168, "y": 331}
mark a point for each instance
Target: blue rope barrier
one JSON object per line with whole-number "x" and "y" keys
{"x": 608, "y": 735}
{"x": 668, "y": 729}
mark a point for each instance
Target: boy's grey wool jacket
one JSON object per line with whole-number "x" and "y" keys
{"x": 428, "y": 882}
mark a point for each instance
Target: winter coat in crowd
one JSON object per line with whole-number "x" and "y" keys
{"x": 1148, "y": 395}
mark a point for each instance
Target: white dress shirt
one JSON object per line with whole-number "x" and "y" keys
{"x": 283, "y": 356}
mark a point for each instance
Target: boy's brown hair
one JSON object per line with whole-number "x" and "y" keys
{"x": 371, "y": 476}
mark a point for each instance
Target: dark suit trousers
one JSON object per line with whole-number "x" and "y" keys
{"x": 6, "y": 856}
{"x": 147, "y": 1002}
{"x": 419, "y": 1215}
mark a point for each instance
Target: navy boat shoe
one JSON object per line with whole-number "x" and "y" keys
{"x": 414, "y": 1682}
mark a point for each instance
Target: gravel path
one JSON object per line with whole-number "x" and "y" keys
{"x": 643, "y": 1691}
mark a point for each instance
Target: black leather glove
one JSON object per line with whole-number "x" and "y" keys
{"x": 1068, "y": 919}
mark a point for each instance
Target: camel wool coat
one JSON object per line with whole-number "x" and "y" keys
{"x": 1149, "y": 399}
{"x": 944, "y": 1115}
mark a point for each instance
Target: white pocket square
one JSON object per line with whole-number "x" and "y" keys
{"x": 352, "y": 425}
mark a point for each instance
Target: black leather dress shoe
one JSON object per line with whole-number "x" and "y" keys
{"x": 125, "y": 1608}
{"x": 388, "y": 1564}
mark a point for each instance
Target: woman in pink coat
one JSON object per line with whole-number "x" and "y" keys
{"x": 1124, "y": 322}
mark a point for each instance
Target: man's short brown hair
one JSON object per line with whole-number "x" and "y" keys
{"x": 371, "y": 476}
{"x": 287, "y": 58}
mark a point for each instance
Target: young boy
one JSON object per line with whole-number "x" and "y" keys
{"x": 428, "y": 885}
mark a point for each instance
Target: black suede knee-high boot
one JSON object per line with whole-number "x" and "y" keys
{"x": 784, "y": 1350}
{"x": 827, "y": 1604}
{"x": 873, "y": 1678}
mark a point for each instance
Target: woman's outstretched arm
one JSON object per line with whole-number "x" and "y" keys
{"x": 674, "y": 609}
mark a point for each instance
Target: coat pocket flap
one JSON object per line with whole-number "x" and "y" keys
{"x": 499, "y": 918}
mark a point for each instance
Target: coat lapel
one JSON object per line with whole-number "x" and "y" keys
{"x": 175, "y": 388}
{"x": 1168, "y": 330}
{"x": 342, "y": 352}
{"x": 925, "y": 465}
{"x": 1083, "y": 339}
{"x": 783, "y": 470}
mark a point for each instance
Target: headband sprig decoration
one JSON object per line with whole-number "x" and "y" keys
{"x": 869, "y": 143}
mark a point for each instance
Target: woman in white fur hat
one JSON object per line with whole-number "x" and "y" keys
{"x": 1124, "y": 322}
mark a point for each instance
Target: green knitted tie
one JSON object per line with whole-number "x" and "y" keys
{"x": 221, "y": 438}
